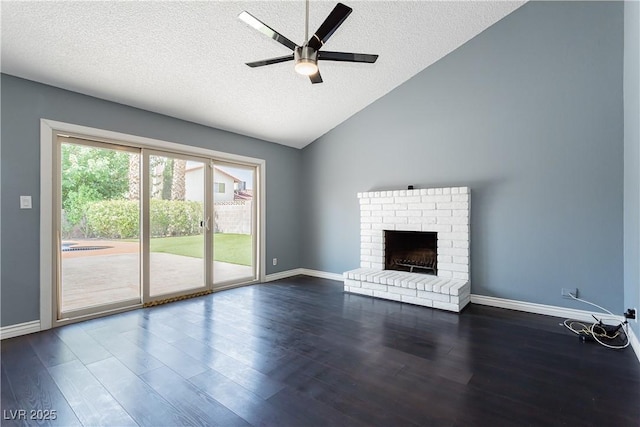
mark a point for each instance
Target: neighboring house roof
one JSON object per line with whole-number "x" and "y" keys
{"x": 228, "y": 174}
{"x": 243, "y": 195}
{"x": 200, "y": 166}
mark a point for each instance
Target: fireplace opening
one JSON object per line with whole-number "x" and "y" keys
{"x": 413, "y": 251}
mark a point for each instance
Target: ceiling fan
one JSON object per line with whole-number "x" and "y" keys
{"x": 306, "y": 57}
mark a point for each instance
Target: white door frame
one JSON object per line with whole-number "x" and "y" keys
{"x": 49, "y": 129}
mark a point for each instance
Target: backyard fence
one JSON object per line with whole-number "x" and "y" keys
{"x": 233, "y": 216}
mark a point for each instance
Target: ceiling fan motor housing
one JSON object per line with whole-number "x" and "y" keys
{"x": 306, "y": 59}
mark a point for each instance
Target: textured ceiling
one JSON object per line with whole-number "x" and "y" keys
{"x": 186, "y": 59}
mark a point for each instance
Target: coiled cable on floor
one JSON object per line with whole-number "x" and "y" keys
{"x": 598, "y": 330}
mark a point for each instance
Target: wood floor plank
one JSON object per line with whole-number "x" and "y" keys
{"x": 37, "y": 394}
{"x": 50, "y": 349}
{"x": 91, "y": 402}
{"x": 121, "y": 323}
{"x": 17, "y": 347}
{"x": 197, "y": 406}
{"x": 251, "y": 407}
{"x": 8, "y": 401}
{"x": 313, "y": 412}
{"x": 482, "y": 409}
{"x": 254, "y": 381}
{"x": 140, "y": 401}
{"x": 166, "y": 331}
{"x": 243, "y": 353}
{"x": 248, "y": 377}
{"x": 132, "y": 356}
{"x": 208, "y": 355}
{"x": 351, "y": 405}
{"x": 169, "y": 355}
{"x": 86, "y": 349}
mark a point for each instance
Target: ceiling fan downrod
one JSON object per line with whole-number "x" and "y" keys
{"x": 305, "y": 57}
{"x": 306, "y": 24}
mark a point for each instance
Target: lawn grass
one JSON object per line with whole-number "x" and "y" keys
{"x": 231, "y": 248}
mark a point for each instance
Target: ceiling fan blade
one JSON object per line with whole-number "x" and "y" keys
{"x": 266, "y": 30}
{"x": 270, "y": 61}
{"x": 330, "y": 25}
{"x": 347, "y": 57}
{"x": 316, "y": 78}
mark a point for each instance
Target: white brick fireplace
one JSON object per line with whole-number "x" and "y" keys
{"x": 444, "y": 211}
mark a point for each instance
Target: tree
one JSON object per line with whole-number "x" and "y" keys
{"x": 134, "y": 177}
{"x": 178, "y": 189}
{"x": 157, "y": 166}
{"x": 91, "y": 174}
{"x": 167, "y": 178}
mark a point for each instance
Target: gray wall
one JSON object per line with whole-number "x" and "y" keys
{"x": 529, "y": 115}
{"x": 25, "y": 102}
{"x": 632, "y": 158}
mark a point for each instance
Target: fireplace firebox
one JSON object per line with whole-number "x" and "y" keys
{"x": 412, "y": 251}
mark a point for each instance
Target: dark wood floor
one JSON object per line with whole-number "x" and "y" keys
{"x": 299, "y": 352}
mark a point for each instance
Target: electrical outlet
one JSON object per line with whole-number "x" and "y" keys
{"x": 631, "y": 313}
{"x": 567, "y": 292}
{"x": 275, "y": 261}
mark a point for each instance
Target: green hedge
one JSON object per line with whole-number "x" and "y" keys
{"x": 118, "y": 219}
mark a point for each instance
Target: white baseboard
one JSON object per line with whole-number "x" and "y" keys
{"x": 305, "y": 272}
{"x": 322, "y": 274}
{"x": 19, "y": 329}
{"x": 548, "y": 310}
{"x": 283, "y": 275}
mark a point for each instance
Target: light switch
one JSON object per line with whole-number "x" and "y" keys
{"x": 25, "y": 202}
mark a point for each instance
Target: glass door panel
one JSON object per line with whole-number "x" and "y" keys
{"x": 177, "y": 224}
{"x": 99, "y": 240}
{"x": 234, "y": 208}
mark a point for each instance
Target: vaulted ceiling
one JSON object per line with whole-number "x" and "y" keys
{"x": 186, "y": 59}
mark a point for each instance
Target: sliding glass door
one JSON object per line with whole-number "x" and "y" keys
{"x": 178, "y": 221}
{"x": 136, "y": 225}
{"x": 234, "y": 207}
{"x": 98, "y": 234}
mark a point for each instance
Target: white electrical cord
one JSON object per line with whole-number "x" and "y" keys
{"x": 591, "y": 329}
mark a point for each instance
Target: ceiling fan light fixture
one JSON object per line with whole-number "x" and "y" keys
{"x": 306, "y": 60}
{"x": 306, "y": 68}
